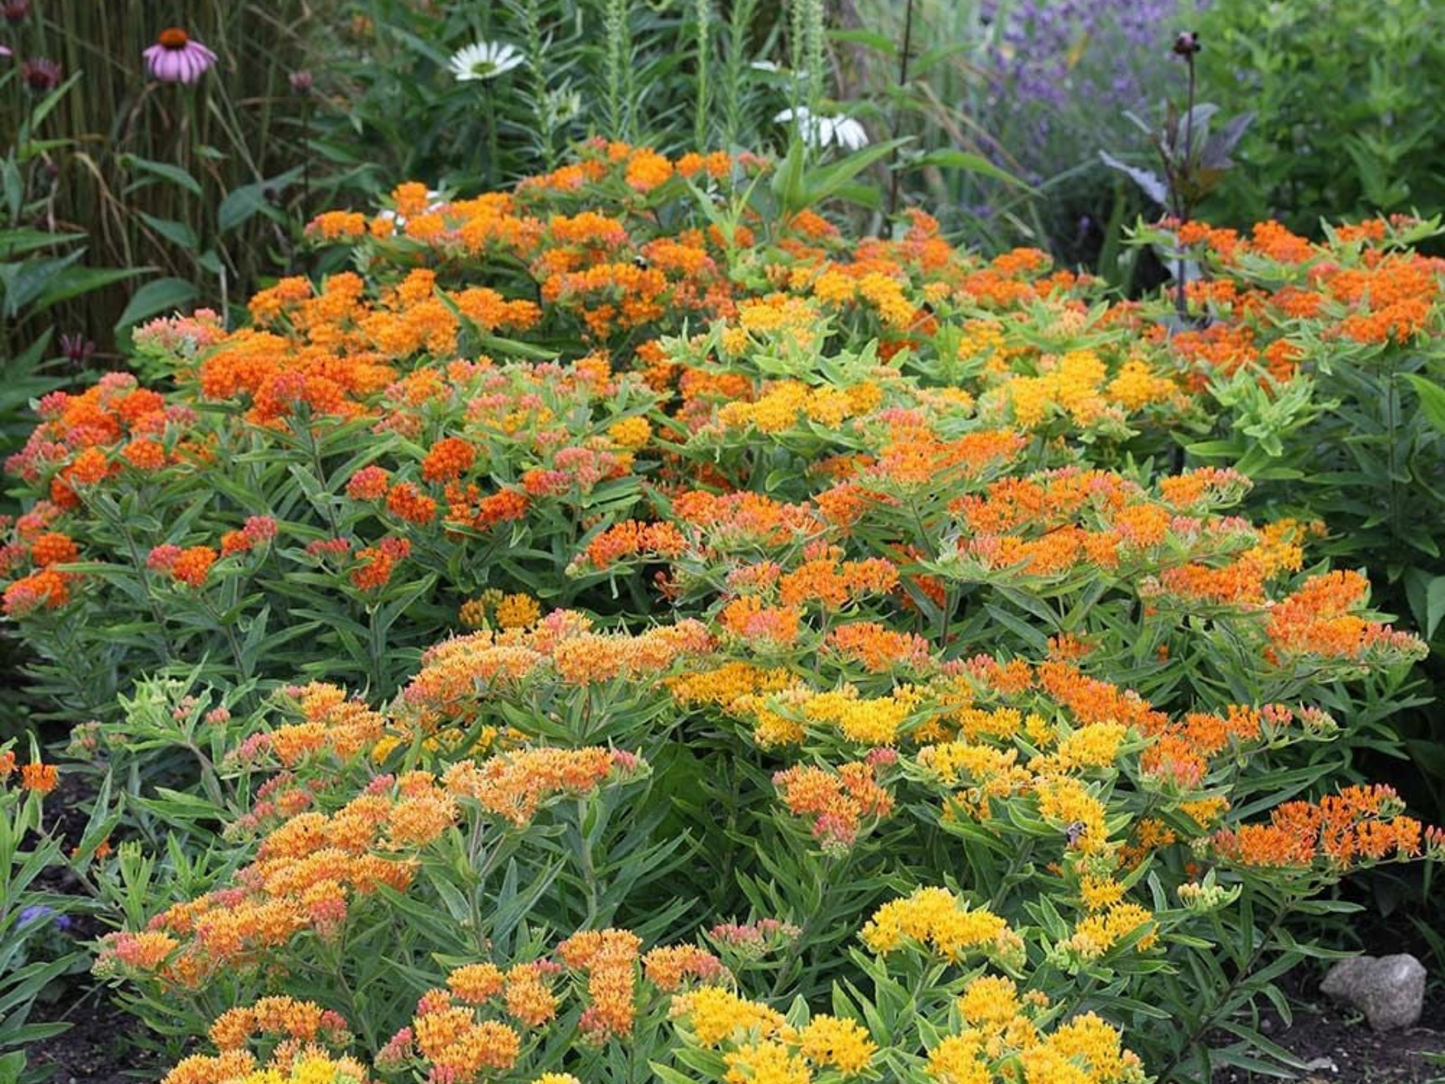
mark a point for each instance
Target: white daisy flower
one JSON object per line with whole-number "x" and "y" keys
{"x": 848, "y": 133}
{"x": 484, "y": 60}
{"x": 772, "y": 67}
{"x": 824, "y": 131}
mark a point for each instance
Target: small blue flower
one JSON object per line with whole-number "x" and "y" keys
{"x": 37, "y": 913}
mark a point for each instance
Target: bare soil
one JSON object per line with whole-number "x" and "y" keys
{"x": 1341, "y": 1048}
{"x": 98, "y": 1049}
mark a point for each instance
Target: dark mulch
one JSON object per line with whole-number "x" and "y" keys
{"x": 98, "y": 1049}
{"x": 100, "y": 1046}
{"x": 1340, "y": 1047}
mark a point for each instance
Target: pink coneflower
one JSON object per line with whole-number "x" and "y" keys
{"x": 177, "y": 58}
{"x": 14, "y": 11}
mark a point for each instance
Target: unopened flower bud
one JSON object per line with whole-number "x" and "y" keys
{"x": 1187, "y": 44}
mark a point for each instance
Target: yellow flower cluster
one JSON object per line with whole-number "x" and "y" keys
{"x": 787, "y": 402}
{"x": 1096, "y": 934}
{"x": 631, "y": 433}
{"x": 761, "y": 1047}
{"x": 726, "y": 685}
{"x": 311, "y": 1069}
{"x": 1093, "y": 746}
{"x": 1077, "y": 384}
{"x": 506, "y": 611}
{"x": 1002, "y": 1034}
{"x": 933, "y": 918}
{"x": 782, "y": 719}
{"x": 716, "y": 1014}
{"x": 791, "y": 320}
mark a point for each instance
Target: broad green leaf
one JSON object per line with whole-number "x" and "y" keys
{"x": 178, "y": 233}
{"x": 161, "y": 170}
{"x": 162, "y": 295}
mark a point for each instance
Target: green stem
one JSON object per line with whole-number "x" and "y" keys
{"x": 494, "y": 173}
{"x": 140, "y": 566}
{"x": 903, "y": 58}
{"x": 589, "y": 870}
{"x": 1181, "y": 296}
{"x": 1215, "y": 1011}
{"x": 243, "y": 669}
{"x": 1392, "y": 424}
{"x": 825, "y": 881}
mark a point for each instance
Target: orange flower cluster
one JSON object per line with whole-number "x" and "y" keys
{"x": 609, "y": 960}
{"x": 838, "y": 801}
{"x": 301, "y": 1036}
{"x": 588, "y": 264}
{"x": 448, "y": 459}
{"x": 1321, "y": 619}
{"x": 749, "y": 619}
{"x": 1058, "y": 522}
{"x": 913, "y": 458}
{"x": 1183, "y": 748}
{"x": 458, "y": 1047}
{"x": 38, "y": 777}
{"x": 46, "y": 589}
{"x": 307, "y": 873}
{"x": 301, "y": 1021}
{"x": 1358, "y": 285}
{"x": 405, "y": 501}
{"x": 514, "y": 786}
{"x": 1359, "y": 825}
{"x": 257, "y": 531}
{"x": 561, "y": 647}
{"x": 880, "y": 649}
{"x": 190, "y": 566}
{"x": 447, "y": 1035}
{"x": 332, "y": 723}
{"x": 668, "y": 967}
{"x": 628, "y": 540}
{"x": 329, "y": 352}
{"x": 457, "y": 1033}
{"x": 375, "y": 564}
{"x": 84, "y": 439}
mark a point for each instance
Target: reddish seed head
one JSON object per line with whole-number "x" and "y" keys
{"x": 41, "y": 74}
{"x": 173, "y": 37}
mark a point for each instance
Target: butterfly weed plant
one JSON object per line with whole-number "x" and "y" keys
{"x": 628, "y": 628}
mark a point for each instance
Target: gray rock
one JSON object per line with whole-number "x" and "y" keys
{"x": 1389, "y": 990}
